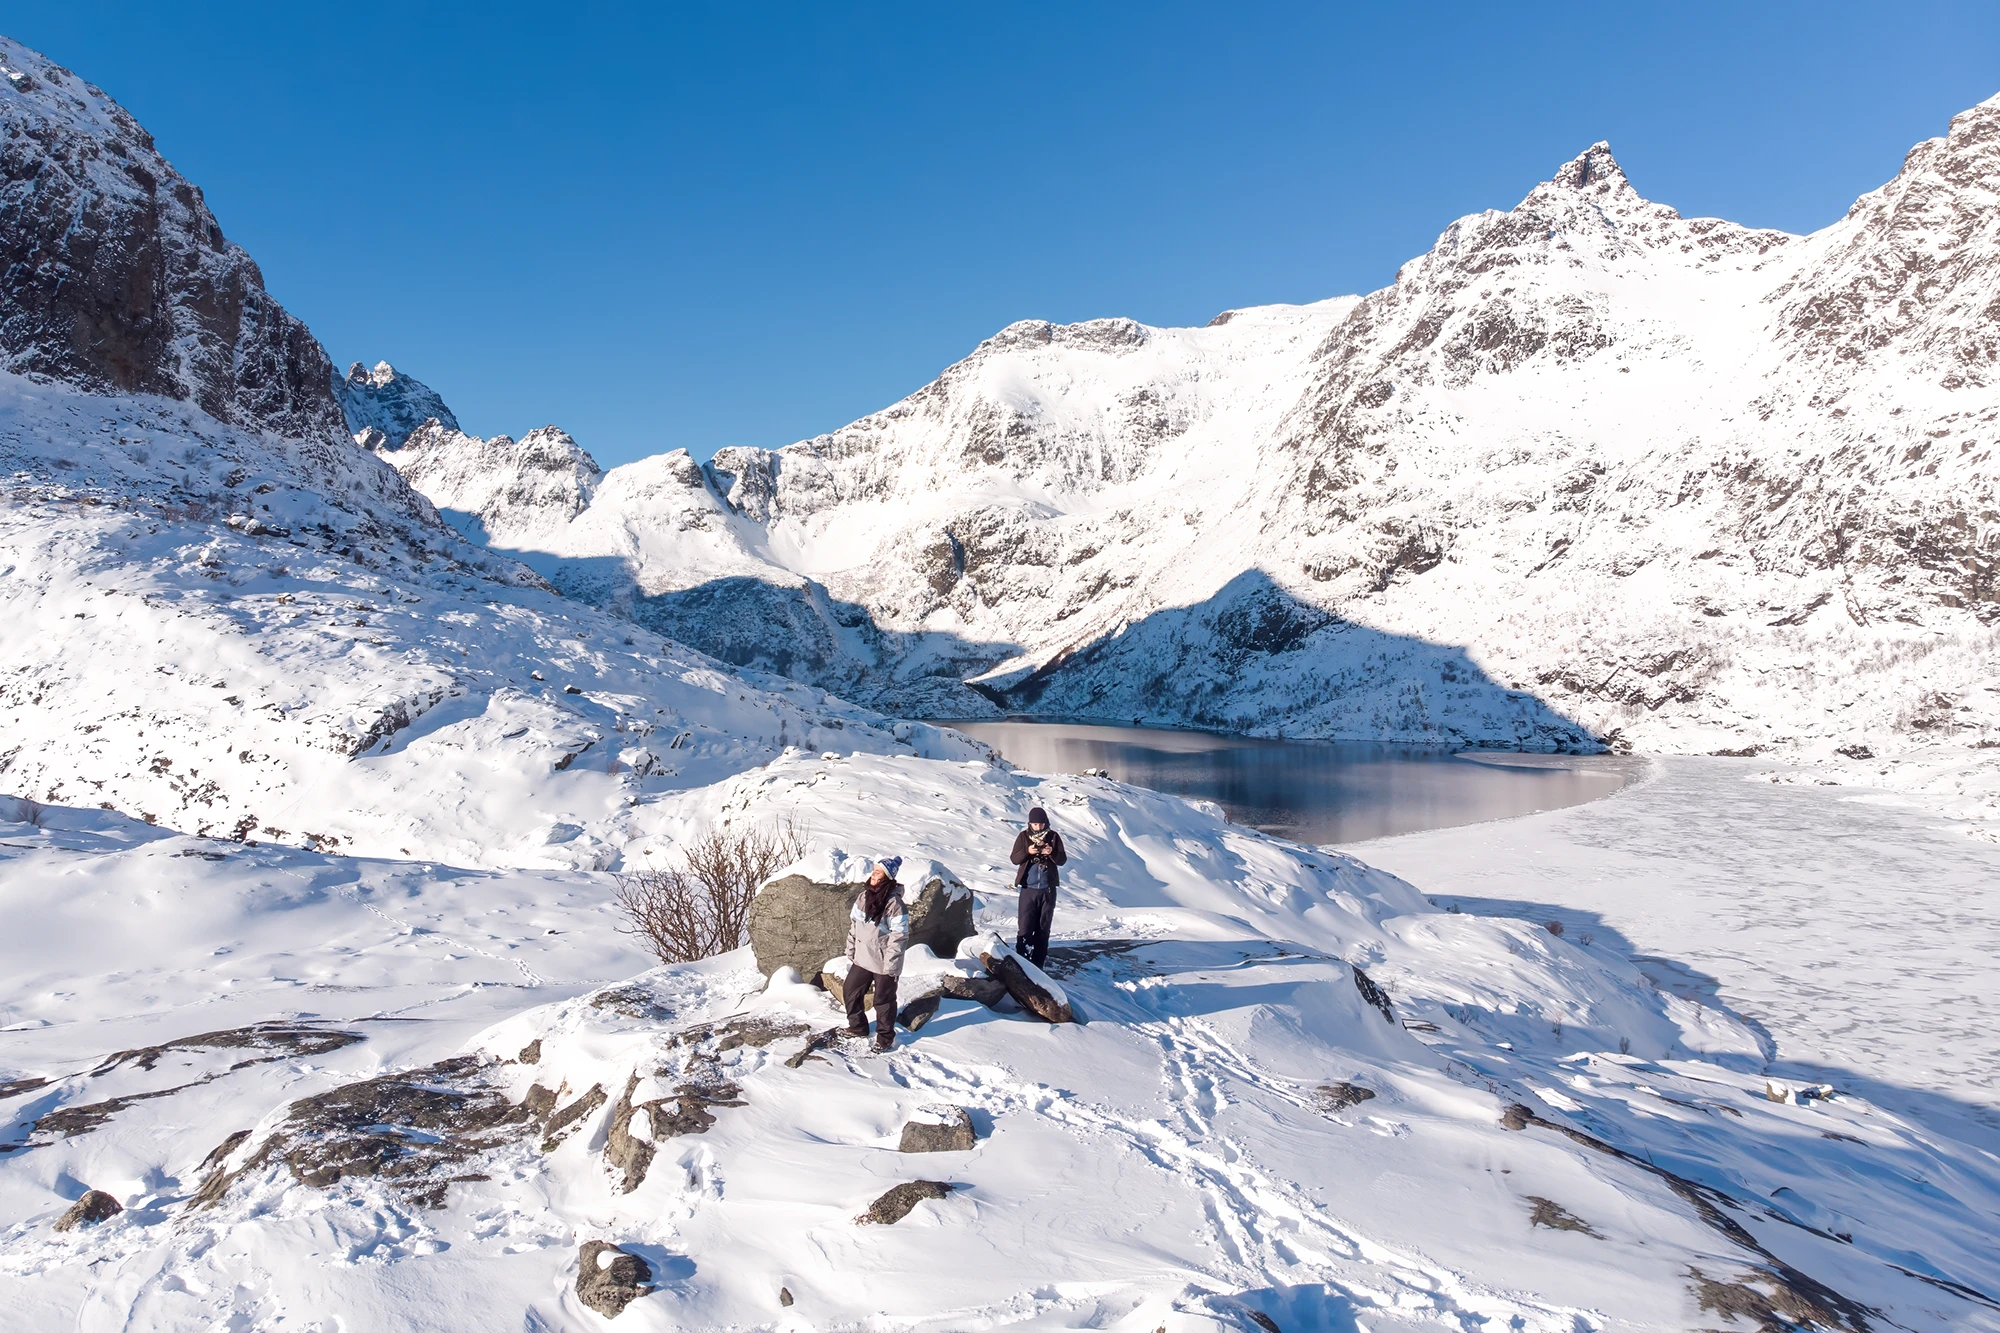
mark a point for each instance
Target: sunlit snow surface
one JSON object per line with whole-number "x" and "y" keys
{"x": 1170, "y": 1162}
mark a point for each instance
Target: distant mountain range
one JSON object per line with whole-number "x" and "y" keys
{"x": 1589, "y": 471}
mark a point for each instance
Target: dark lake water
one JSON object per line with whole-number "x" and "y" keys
{"x": 1314, "y": 791}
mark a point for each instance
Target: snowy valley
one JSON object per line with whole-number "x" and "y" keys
{"x": 327, "y": 729}
{"x": 1589, "y": 472}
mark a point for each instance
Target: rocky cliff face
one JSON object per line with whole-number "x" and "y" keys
{"x": 120, "y": 279}
{"x": 1588, "y": 471}
{"x": 382, "y": 407}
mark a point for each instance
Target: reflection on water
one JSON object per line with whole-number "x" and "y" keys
{"x": 1314, "y": 791}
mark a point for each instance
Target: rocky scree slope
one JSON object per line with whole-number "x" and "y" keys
{"x": 1589, "y": 471}
{"x": 226, "y": 618}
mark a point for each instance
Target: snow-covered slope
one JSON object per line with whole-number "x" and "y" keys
{"x": 1588, "y": 469}
{"x": 382, "y": 406}
{"x": 225, "y": 616}
{"x": 1235, "y": 1138}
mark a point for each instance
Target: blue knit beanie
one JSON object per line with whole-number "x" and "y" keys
{"x": 890, "y": 865}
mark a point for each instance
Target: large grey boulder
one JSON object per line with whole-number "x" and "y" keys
{"x": 608, "y": 1279}
{"x": 1032, "y": 989}
{"x": 939, "y": 1129}
{"x": 800, "y": 922}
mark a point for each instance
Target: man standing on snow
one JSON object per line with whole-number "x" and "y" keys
{"x": 878, "y": 930}
{"x": 1038, "y": 850}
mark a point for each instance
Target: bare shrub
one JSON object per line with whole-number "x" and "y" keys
{"x": 700, "y": 906}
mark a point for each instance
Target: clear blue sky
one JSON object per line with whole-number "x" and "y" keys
{"x": 666, "y": 226}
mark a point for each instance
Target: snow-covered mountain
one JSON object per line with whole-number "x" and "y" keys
{"x": 1587, "y": 469}
{"x": 225, "y": 617}
{"x": 382, "y": 406}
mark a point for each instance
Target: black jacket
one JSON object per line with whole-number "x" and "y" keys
{"x": 1056, "y": 855}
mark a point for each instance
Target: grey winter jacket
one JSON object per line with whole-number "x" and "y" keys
{"x": 878, "y": 945}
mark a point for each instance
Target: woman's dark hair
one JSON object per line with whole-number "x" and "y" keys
{"x": 875, "y": 898}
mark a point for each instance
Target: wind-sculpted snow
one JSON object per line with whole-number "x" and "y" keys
{"x": 1588, "y": 472}
{"x": 1298, "y": 1096}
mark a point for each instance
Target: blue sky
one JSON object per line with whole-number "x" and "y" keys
{"x": 667, "y": 226}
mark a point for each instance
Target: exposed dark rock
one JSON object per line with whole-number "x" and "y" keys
{"x": 94, "y": 1207}
{"x": 918, "y": 1012}
{"x": 414, "y": 1130}
{"x": 1547, "y": 1213}
{"x": 1011, "y": 971}
{"x": 531, "y": 1054}
{"x": 1373, "y": 994}
{"x": 278, "y": 1040}
{"x": 609, "y": 1278}
{"x": 785, "y": 1296}
{"x": 688, "y": 1111}
{"x": 984, "y": 990}
{"x": 756, "y": 1031}
{"x": 895, "y": 1205}
{"x": 118, "y": 277}
{"x": 953, "y": 1132}
{"x": 565, "y": 1122}
{"x": 1339, "y": 1096}
{"x": 795, "y": 922}
{"x": 631, "y": 1154}
{"x": 814, "y": 1045}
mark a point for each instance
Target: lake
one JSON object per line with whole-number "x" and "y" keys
{"x": 1315, "y": 791}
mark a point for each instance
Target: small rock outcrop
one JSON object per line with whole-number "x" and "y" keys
{"x": 609, "y": 1278}
{"x": 894, "y": 1206}
{"x": 94, "y": 1207}
{"x": 1339, "y": 1096}
{"x": 798, "y": 922}
{"x": 939, "y": 1129}
{"x": 1032, "y": 988}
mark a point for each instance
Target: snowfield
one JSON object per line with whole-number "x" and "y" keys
{"x": 1192, "y": 1155}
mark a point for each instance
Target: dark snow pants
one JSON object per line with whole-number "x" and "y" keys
{"x": 855, "y": 989}
{"x": 1038, "y": 913}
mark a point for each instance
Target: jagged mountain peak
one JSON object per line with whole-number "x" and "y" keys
{"x": 1592, "y": 179}
{"x": 386, "y": 401}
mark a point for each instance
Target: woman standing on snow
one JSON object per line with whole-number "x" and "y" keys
{"x": 1038, "y": 850}
{"x": 878, "y": 930}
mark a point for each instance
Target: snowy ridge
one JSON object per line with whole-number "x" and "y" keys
{"x": 1588, "y": 472}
